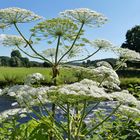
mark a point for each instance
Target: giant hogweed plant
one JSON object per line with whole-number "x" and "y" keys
{"x": 73, "y": 105}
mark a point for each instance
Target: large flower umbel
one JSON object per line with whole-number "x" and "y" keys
{"x": 85, "y": 16}
{"x": 102, "y": 44}
{"x": 13, "y": 15}
{"x": 55, "y": 27}
{"x": 12, "y": 40}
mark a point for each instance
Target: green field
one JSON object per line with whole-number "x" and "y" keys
{"x": 17, "y": 75}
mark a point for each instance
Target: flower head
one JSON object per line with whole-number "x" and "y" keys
{"x": 20, "y": 112}
{"x": 9, "y": 16}
{"x": 129, "y": 111}
{"x": 12, "y": 40}
{"x": 85, "y": 16}
{"x": 55, "y": 27}
{"x": 33, "y": 78}
{"x": 102, "y": 44}
{"x": 127, "y": 54}
{"x": 104, "y": 63}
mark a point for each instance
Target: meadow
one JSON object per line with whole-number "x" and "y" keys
{"x": 16, "y": 75}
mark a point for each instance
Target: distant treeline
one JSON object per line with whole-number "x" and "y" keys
{"x": 16, "y": 60}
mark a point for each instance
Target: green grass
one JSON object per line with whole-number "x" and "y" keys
{"x": 18, "y": 74}
{"x": 126, "y": 81}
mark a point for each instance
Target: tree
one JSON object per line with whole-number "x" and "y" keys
{"x": 4, "y": 61}
{"x": 15, "y": 62}
{"x": 16, "y": 53}
{"x": 133, "y": 39}
{"x": 25, "y": 61}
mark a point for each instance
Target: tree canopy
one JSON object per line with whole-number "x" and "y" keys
{"x": 133, "y": 39}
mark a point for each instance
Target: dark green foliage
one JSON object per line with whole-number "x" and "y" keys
{"x": 15, "y": 62}
{"x": 129, "y": 73}
{"x": 4, "y": 61}
{"x": 133, "y": 39}
{"x": 133, "y": 64}
{"x": 46, "y": 64}
{"x": 16, "y": 53}
{"x": 25, "y": 62}
{"x": 35, "y": 64}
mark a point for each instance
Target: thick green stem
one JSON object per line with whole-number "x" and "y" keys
{"x": 72, "y": 44}
{"x": 92, "y": 129}
{"x": 57, "y": 48}
{"x": 81, "y": 120}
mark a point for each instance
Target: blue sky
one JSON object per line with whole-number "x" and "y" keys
{"x": 122, "y": 15}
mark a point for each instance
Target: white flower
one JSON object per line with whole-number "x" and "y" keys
{"x": 33, "y": 78}
{"x": 86, "y": 89}
{"x": 85, "y": 16}
{"x": 124, "y": 97}
{"x": 129, "y": 111}
{"x": 1, "y": 92}
{"x": 102, "y": 44}
{"x": 121, "y": 64}
{"x": 103, "y": 63}
{"x": 11, "y": 40}
{"x": 106, "y": 76}
{"x": 13, "y": 15}
{"x": 127, "y": 54}
{"x": 13, "y": 112}
{"x": 26, "y": 95}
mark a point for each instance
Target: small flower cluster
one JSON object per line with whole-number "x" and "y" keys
{"x": 0, "y": 92}
{"x": 107, "y": 77}
{"x": 130, "y": 112}
{"x": 85, "y": 16}
{"x": 28, "y": 96}
{"x": 18, "y": 112}
{"x": 33, "y": 78}
{"x": 102, "y": 44}
{"x": 127, "y": 54}
{"x": 104, "y": 63}
{"x": 12, "y": 40}
{"x": 14, "y": 15}
{"x": 124, "y": 97}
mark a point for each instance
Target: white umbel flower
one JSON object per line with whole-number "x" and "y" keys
{"x": 13, "y": 112}
{"x": 124, "y": 97}
{"x": 104, "y": 63}
{"x": 85, "y": 16}
{"x": 13, "y": 15}
{"x": 33, "y": 78}
{"x": 127, "y": 54}
{"x": 86, "y": 89}
{"x": 129, "y": 111}
{"x": 107, "y": 77}
{"x": 1, "y": 92}
{"x": 11, "y": 40}
{"x": 102, "y": 44}
{"x": 27, "y": 95}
